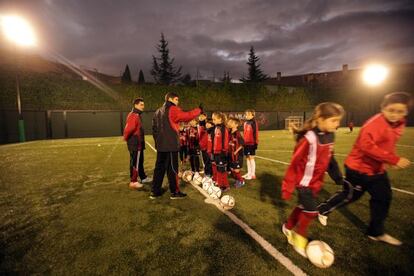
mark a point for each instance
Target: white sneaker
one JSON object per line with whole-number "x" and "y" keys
{"x": 247, "y": 177}
{"x": 387, "y": 239}
{"x": 146, "y": 180}
{"x": 288, "y": 233}
{"x": 244, "y": 176}
{"x": 323, "y": 219}
{"x": 135, "y": 185}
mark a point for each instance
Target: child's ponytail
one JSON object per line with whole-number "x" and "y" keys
{"x": 322, "y": 110}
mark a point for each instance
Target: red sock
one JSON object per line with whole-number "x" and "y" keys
{"x": 225, "y": 180}
{"x": 214, "y": 167}
{"x": 305, "y": 219}
{"x": 293, "y": 218}
{"x": 239, "y": 177}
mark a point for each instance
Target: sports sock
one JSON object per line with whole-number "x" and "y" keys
{"x": 305, "y": 219}
{"x": 293, "y": 218}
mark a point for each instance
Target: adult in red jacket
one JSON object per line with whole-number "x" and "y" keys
{"x": 365, "y": 166}
{"x": 165, "y": 130}
{"x": 135, "y": 137}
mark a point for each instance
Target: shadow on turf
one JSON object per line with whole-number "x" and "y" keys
{"x": 271, "y": 188}
{"x": 355, "y": 220}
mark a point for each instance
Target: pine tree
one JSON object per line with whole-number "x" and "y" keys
{"x": 255, "y": 74}
{"x": 163, "y": 69}
{"x": 186, "y": 80}
{"x": 126, "y": 76}
{"x": 141, "y": 79}
{"x": 226, "y": 77}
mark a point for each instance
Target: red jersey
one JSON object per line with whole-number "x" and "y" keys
{"x": 192, "y": 135}
{"x": 210, "y": 137}
{"x": 133, "y": 132}
{"x": 311, "y": 158}
{"x": 202, "y": 136}
{"x": 220, "y": 139}
{"x": 236, "y": 140}
{"x": 183, "y": 138}
{"x": 375, "y": 146}
{"x": 251, "y": 132}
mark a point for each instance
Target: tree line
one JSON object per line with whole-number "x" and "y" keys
{"x": 164, "y": 71}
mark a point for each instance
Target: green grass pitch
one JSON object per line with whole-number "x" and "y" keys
{"x": 65, "y": 208}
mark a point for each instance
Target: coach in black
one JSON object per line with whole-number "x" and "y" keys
{"x": 165, "y": 131}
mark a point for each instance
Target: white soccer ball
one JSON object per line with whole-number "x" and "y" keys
{"x": 207, "y": 182}
{"x": 197, "y": 179}
{"x": 214, "y": 192}
{"x": 320, "y": 254}
{"x": 187, "y": 176}
{"x": 228, "y": 202}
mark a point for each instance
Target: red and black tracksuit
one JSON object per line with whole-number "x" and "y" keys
{"x": 183, "y": 145}
{"x": 135, "y": 138}
{"x": 365, "y": 171}
{"x": 220, "y": 147}
{"x": 165, "y": 130}
{"x": 193, "y": 148}
{"x": 210, "y": 138}
{"x": 203, "y": 134}
{"x": 312, "y": 157}
{"x": 236, "y": 159}
{"x": 251, "y": 137}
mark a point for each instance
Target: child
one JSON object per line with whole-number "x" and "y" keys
{"x": 365, "y": 165}
{"x": 235, "y": 151}
{"x": 210, "y": 136}
{"x": 251, "y": 141}
{"x": 220, "y": 150}
{"x": 193, "y": 147}
{"x": 313, "y": 155}
{"x": 183, "y": 143}
{"x": 351, "y": 126}
{"x": 203, "y": 138}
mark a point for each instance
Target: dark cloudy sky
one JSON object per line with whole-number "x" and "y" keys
{"x": 215, "y": 35}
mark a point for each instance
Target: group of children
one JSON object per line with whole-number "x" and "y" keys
{"x": 365, "y": 168}
{"x": 222, "y": 147}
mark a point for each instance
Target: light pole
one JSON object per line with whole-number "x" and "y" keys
{"x": 18, "y": 31}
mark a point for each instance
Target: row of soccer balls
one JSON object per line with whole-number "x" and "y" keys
{"x": 318, "y": 252}
{"x": 227, "y": 201}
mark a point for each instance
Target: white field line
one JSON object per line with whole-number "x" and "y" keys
{"x": 291, "y": 151}
{"x": 285, "y": 163}
{"x": 276, "y": 254}
{"x": 112, "y": 151}
{"x": 407, "y": 146}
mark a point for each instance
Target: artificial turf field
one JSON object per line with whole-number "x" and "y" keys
{"x": 65, "y": 209}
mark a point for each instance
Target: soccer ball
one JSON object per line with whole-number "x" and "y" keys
{"x": 207, "y": 182}
{"x": 227, "y": 202}
{"x": 187, "y": 176}
{"x": 197, "y": 179}
{"x": 320, "y": 254}
{"x": 207, "y": 185}
{"x": 214, "y": 192}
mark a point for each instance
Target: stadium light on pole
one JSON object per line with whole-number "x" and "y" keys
{"x": 18, "y": 31}
{"x": 375, "y": 74}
